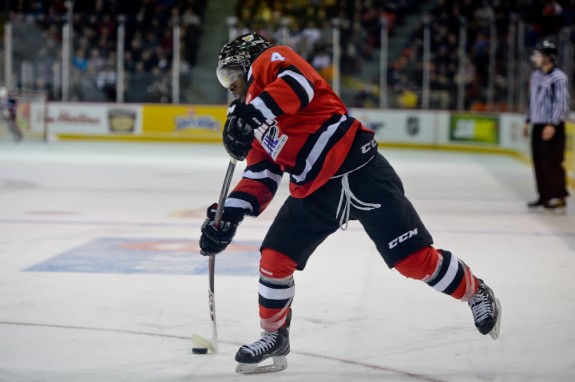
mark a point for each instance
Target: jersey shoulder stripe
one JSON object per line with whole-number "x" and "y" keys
{"x": 300, "y": 85}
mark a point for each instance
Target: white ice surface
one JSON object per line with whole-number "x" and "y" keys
{"x": 354, "y": 320}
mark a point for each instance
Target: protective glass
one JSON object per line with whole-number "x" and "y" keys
{"x": 228, "y": 75}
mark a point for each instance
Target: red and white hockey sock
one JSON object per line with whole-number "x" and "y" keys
{"x": 442, "y": 271}
{"x": 276, "y": 290}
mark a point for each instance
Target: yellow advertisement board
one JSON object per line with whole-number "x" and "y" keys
{"x": 474, "y": 128}
{"x": 570, "y": 151}
{"x": 200, "y": 123}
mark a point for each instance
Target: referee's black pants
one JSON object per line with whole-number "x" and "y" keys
{"x": 548, "y": 157}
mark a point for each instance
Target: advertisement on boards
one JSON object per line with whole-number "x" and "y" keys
{"x": 474, "y": 128}
{"x": 201, "y": 122}
{"x": 570, "y": 150}
{"x": 398, "y": 126}
{"x": 86, "y": 118}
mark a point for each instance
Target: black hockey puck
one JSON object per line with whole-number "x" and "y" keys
{"x": 200, "y": 350}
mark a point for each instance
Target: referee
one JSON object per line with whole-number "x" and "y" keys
{"x": 547, "y": 110}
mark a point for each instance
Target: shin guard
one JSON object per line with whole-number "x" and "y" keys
{"x": 276, "y": 289}
{"x": 442, "y": 271}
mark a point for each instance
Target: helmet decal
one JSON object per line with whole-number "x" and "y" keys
{"x": 242, "y": 51}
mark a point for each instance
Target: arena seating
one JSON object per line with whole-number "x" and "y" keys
{"x": 148, "y": 43}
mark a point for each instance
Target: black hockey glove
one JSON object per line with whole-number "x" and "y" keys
{"x": 215, "y": 240}
{"x": 239, "y": 129}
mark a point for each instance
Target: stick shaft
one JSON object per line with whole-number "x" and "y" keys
{"x": 224, "y": 192}
{"x": 212, "y": 258}
{"x": 212, "y": 301}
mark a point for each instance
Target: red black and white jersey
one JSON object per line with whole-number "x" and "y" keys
{"x": 307, "y": 133}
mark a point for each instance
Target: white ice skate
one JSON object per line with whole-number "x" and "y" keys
{"x": 274, "y": 345}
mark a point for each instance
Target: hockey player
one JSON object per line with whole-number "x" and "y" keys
{"x": 286, "y": 119}
{"x": 8, "y": 104}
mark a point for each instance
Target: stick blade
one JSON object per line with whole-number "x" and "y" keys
{"x": 202, "y": 342}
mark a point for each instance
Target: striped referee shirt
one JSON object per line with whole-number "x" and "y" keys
{"x": 548, "y": 98}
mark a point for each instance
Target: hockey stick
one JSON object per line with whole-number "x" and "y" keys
{"x": 196, "y": 339}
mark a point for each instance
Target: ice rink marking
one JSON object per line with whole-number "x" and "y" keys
{"x": 248, "y": 226}
{"x": 418, "y": 377}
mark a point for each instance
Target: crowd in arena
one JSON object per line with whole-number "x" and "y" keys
{"x": 148, "y": 44}
{"x": 306, "y": 25}
{"x": 541, "y": 18}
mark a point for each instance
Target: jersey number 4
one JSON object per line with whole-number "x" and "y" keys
{"x": 277, "y": 57}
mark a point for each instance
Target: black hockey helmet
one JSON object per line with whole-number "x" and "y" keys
{"x": 548, "y": 49}
{"x": 237, "y": 56}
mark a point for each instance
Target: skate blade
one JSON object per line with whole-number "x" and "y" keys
{"x": 280, "y": 363}
{"x": 494, "y": 333}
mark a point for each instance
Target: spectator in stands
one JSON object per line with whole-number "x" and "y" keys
{"x": 191, "y": 23}
{"x": 322, "y": 59}
{"x": 311, "y": 33}
{"x": 480, "y": 54}
{"x": 552, "y": 17}
{"x": 80, "y": 61}
{"x": 367, "y": 97}
{"x": 468, "y": 72}
{"x": 97, "y": 61}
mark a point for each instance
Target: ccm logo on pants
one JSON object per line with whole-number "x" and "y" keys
{"x": 368, "y": 146}
{"x": 402, "y": 238}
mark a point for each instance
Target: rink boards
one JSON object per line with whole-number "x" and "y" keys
{"x": 447, "y": 130}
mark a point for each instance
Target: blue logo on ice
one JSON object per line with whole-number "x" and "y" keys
{"x": 158, "y": 256}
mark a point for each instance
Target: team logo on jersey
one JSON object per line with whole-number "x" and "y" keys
{"x": 271, "y": 139}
